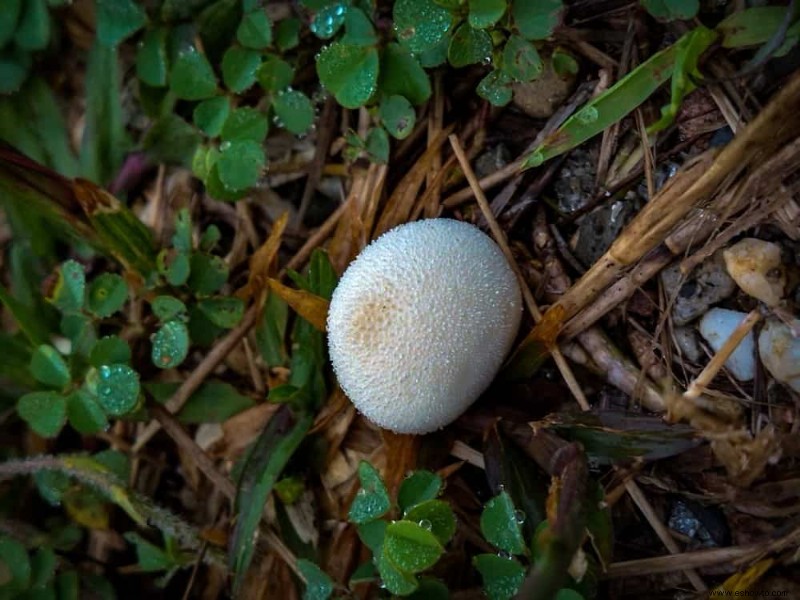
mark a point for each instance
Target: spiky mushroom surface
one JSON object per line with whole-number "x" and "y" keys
{"x": 420, "y": 323}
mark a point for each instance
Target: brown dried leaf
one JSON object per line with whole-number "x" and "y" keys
{"x": 242, "y": 429}
{"x": 309, "y": 306}
{"x": 262, "y": 261}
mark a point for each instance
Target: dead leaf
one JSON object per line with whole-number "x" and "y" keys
{"x": 311, "y": 307}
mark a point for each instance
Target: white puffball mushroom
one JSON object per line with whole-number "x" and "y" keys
{"x": 780, "y": 352}
{"x": 420, "y": 323}
{"x": 755, "y": 266}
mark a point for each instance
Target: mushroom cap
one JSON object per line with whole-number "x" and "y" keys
{"x": 420, "y": 323}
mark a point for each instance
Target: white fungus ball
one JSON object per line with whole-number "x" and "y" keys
{"x": 420, "y": 323}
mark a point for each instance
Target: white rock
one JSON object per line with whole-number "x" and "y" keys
{"x": 780, "y": 352}
{"x": 716, "y": 327}
{"x": 421, "y": 322}
{"x": 755, "y": 266}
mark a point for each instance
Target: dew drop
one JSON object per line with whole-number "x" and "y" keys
{"x": 588, "y": 115}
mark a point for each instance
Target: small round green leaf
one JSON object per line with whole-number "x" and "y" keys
{"x": 118, "y": 19}
{"x": 84, "y": 413}
{"x": 109, "y": 350}
{"x": 116, "y": 461}
{"x": 200, "y": 163}
{"x": 107, "y": 294}
{"x": 210, "y": 115}
{"x": 240, "y": 164}
{"x": 79, "y": 329}
{"x": 358, "y": 29}
{"x": 372, "y": 500}
{"x": 564, "y": 64}
{"x": 521, "y": 60}
{"x": 173, "y": 265}
{"x": 192, "y": 77}
{"x": 51, "y": 485}
{"x": 43, "y": 569}
{"x": 377, "y": 145}
{"x": 396, "y": 581}
{"x": 17, "y": 564}
{"x": 672, "y": 10}
{"x": 500, "y": 525}
{"x": 436, "y": 56}
{"x": 398, "y": 116}
{"x": 15, "y": 64}
{"x": 170, "y": 344}
{"x": 349, "y": 72}
{"x": 502, "y": 577}
{"x": 149, "y": 556}
{"x": 33, "y": 27}
{"x": 225, "y": 312}
{"x": 418, "y": 487}
{"x": 245, "y": 123}
{"x": 328, "y": 20}
{"x": 202, "y": 331}
{"x": 239, "y": 66}
{"x": 182, "y": 238}
{"x": 287, "y": 34}
{"x": 255, "y": 30}
{"x": 430, "y": 588}
{"x": 68, "y": 292}
{"x": 48, "y": 367}
{"x": 45, "y": 412}
{"x": 537, "y": 20}
{"x": 11, "y": 10}
{"x": 211, "y": 236}
{"x": 420, "y": 24}
{"x": 275, "y": 74}
{"x": 402, "y": 74}
{"x": 469, "y": 46}
{"x": 485, "y": 13}
{"x": 372, "y": 534}
{"x": 209, "y": 273}
{"x": 411, "y": 547}
{"x": 166, "y": 308}
{"x": 496, "y": 88}
{"x": 116, "y": 388}
{"x": 318, "y": 585}
{"x": 151, "y": 59}
{"x": 436, "y": 516}
{"x": 293, "y": 110}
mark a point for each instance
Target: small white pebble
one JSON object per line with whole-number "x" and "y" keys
{"x": 780, "y": 352}
{"x": 755, "y": 266}
{"x": 716, "y": 327}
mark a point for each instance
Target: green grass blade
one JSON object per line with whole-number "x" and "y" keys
{"x": 51, "y": 127}
{"x": 28, "y": 321}
{"x": 684, "y": 73}
{"x": 273, "y": 449}
{"x": 104, "y": 140}
{"x": 607, "y": 108}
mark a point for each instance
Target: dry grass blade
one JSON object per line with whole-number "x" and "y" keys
{"x": 401, "y": 203}
{"x": 777, "y": 124}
